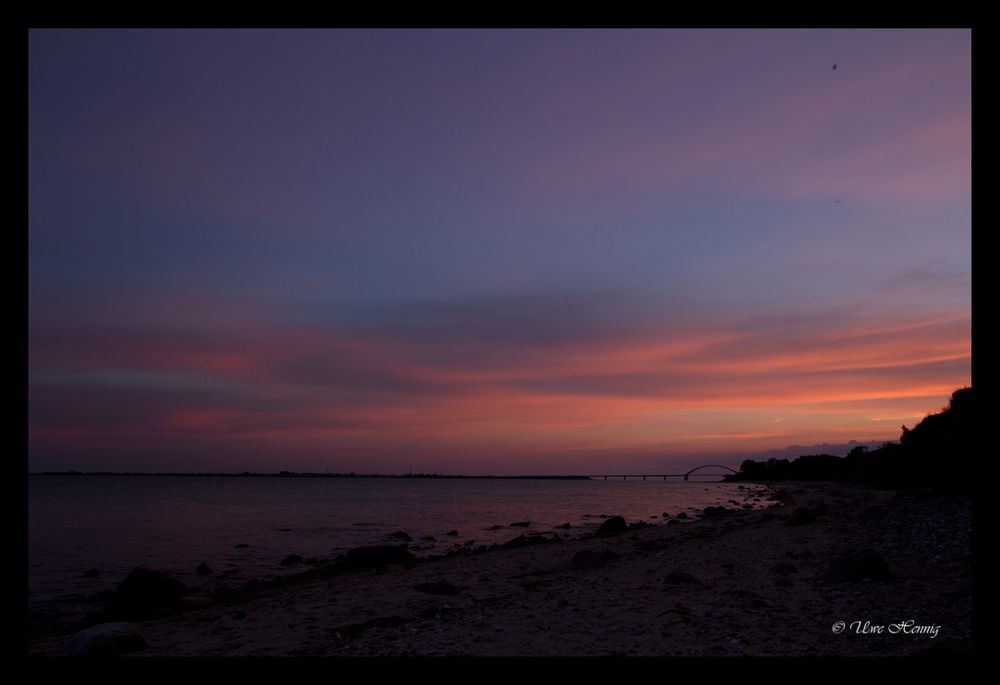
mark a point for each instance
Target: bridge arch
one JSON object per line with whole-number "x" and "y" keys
{"x": 709, "y": 466}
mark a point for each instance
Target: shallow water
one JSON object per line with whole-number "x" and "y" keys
{"x": 115, "y": 523}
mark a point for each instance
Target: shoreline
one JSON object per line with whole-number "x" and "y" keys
{"x": 739, "y": 583}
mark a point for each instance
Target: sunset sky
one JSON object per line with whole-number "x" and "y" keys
{"x": 491, "y": 251}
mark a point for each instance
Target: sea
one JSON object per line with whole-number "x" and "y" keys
{"x": 244, "y": 527}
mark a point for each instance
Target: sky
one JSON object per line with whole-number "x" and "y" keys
{"x": 491, "y": 252}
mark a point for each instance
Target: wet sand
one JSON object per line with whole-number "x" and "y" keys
{"x": 740, "y": 583}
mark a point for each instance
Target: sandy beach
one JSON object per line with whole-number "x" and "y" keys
{"x": 779, "y": 581}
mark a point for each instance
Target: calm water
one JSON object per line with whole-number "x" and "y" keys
{"x": 114, "y": 523}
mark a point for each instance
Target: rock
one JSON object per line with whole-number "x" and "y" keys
{"x": 713, "y": 511}
{"x": 431, "y": 538}
{"x": 194, "y": 602}
{"x": 203, "y": 569}
{"x": 401, "y": 535}
{"x": 440, "y": 587}
{"x": 783, "y": 568}
{"x": 758, "y": 603}
{"x": 520, "y": 524}
{"x": 291, "y": 559}
{"x": 608, "y": 555}
{"x": 783, "y": 582}
{"x": 145, "y": 591}
{"x": 525, "y": 541}
{"x": 636, "y": 525}
{"x": 452, "y": 533}
{"x": 378, "y": 555}
{"x": 495, "y": 526}
{"x": 91, "y": 573}
{"x": 665, "y": 515}
{"x": 519, "y": 541}
{"x": 673, "y": 522}
{"x": 682, "y": 515}
{"x": 858, "y": 566}
{"x": 566, "y": 526}
{"x": 615, "y": 524}
{"x": 242, "y": 545}
{"x": 681, "y": 578}
{"x": 239, "y": 614}
{"x": 107, "y": 639}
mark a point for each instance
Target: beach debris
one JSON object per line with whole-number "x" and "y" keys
{"x": 145, "y": 591}
{"x": 107, "y": 639}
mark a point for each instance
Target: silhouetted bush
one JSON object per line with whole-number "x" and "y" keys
{"x": 936, "y": 453}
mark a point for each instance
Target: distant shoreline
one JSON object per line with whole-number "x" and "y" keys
{"x": 289, "y": 474}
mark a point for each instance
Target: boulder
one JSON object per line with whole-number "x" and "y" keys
{"x": 107, "y": 639}
{"x": 144, "y": 592}
{"x": 615, "y": 524}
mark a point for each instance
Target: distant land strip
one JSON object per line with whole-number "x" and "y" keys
{"x": 292, "y": 474}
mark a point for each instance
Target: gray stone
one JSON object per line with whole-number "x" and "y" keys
{"x": 107, "y": 639}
